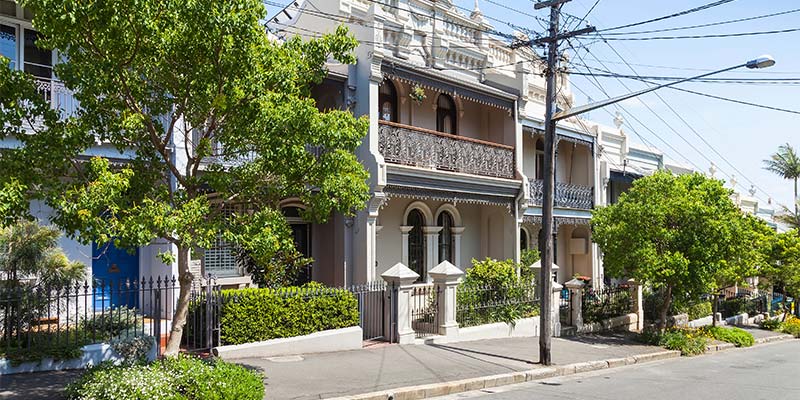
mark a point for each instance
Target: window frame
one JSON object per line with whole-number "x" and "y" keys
{"x": 442, "y": 113}
{"x": 392, "y": 98}
{"x": 446, "y": 244}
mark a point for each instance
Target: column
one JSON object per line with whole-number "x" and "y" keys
{"x": 637, "y": 303}
{"x": 432, "y": 245}
{"x": 575, "y": 288}
{"x": 556, "y": 300}
{"x": 404, "y": 230}
{"x": 400, "y": 280}
{"x": 457, "y": 232}
{"x": 445, "y": 279}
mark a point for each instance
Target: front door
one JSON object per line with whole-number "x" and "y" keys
{"x": 115, "y": 272}
{"x": 302, "y": 242}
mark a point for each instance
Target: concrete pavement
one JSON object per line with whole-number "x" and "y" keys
{"x": 762, "y": 372}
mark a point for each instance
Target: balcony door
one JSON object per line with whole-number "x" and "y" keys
{"x": 446, "y": 115}
{"x": 416, "y": 243}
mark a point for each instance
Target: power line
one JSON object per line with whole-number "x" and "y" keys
{"x": 608, "y": 74}
{"x": 709, "y": 36}
{"x": 704, "y": 25}
{"x": 690, "y": 69}
{"x": 678, "y": 14}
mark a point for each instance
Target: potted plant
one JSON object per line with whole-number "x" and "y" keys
{"x": 417, "y": 94}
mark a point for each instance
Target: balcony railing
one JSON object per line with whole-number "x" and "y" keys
{"x": 566, "y": 195}
{"x": 401, "y": 144}
{"x": 59, "y": 97}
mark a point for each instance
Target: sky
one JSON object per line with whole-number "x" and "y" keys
{"x": 689, "y": 129}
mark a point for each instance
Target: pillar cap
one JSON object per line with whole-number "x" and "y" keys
{"x": 445, "y": 271}
{"x": 557, "y": 287}
{"x": 538, "y": 265}
{"x": 575, "y": 283}
{"x": 401, "y": 274}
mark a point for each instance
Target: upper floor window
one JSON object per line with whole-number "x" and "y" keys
{"x": 388, "y": 102}
{"x": 539, "y": 159}
{"x": 446, "y": 114}
{"x": 38, "y": 62}
{"x": 8, "y": 44}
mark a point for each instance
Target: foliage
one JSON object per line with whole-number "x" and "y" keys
{"x": 772, "y": 324}
{"x": 699, "y": 310}
{"x": 40, "y": 344}
{"x": 254, "y": 315}
{"x": 219, "y": 115}
{"x": 786, "y": 164}
{"x": 112, "y": 322}
{"x": 492, "y": 292}
{"x": 741, "y": 305}
{"x": 527, "y": 258}
{"x": 736, "y": 336}
{"x": 174, "y": 378}
{"x": 29, "y": 250}
{"x": 607, "y": 303}
{"x": 281, "y": 270}
{"x": 791, "y": 326}
{"x": 783, "y": 267}
{"x": 417, "y": 94}
{"x": 682, "y": 234}
{"x": 133, "y": 346}
{"x": 689, "y": 342}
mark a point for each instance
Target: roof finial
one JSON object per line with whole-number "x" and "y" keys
{"x": 476, "y": 12}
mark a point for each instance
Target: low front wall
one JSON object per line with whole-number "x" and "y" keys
{"x": 627, "y": 322}
{"x": 93, "y": 354}
{"x": 526, "y": 327}
{"x": 318, "y": 342}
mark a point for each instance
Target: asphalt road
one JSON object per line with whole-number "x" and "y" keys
{"x": 769, "y": 371}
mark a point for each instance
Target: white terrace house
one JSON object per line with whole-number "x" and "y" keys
{"x": 17, "y": 43}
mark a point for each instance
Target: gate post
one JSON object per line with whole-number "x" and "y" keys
{"x": 445, "y": 279}
{"x": 401, "y": 279}
{"x": 575, "y": 287}
{"x": 637, "y": 303}
{"x": 556, "y": 308}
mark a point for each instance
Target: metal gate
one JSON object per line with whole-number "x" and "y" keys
{"x": 425, "y": 310}
{"x": 565, "y": 308}
{"x": 372, "y": 311}
{"x": 202, "y": 330}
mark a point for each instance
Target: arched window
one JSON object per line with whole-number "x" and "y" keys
{"x": 446, "y": 114}
{"x": 524, "y": 241}
{"x": 388, "y": 102}
{"x": 446, "y": 247}
{"x": 539, "y": 158}
{"x": 416, "y": 243}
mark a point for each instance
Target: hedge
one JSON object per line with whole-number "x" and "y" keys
{"x": 254, "y": 315}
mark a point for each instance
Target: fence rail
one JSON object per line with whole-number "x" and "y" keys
{"x": 38, "y": 321}
{"x": 425, "y": 310}
{"x": 608, "y": 302}
{"x": 486, "y": 304}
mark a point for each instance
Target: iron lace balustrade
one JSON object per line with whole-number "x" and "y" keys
{"x": 566, "y": 195}
{"x": 59, "y": 97}
{"x": 401, "y": 144}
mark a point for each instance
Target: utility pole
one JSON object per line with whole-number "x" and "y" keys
{"x": 546, "y": 242}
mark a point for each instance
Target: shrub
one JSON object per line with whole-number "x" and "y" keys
{"x": 689, "y": 343}
{"x": 492, "y": 292}
{"x": 254, "y": 315}
{"x": 112, "y": 322}
{"x": 179, "y": 378}
{"x": 792, "y": 326}
{"x": 699, "y": 310}
{"x": 735, "y": 336}
{"x": 133, "y": 346}
{"x": 772, "y": 324}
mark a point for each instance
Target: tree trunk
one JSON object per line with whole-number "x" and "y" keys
{"x": 714, "y": 310}
{"x": 662, "y": 320}
{"x": 182, "y": 309}
{"x": 795, "y": 199}
{"x": 783, "y": 302}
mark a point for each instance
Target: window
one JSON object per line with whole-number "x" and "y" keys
{"x": 388, "y": 102}
{"x": 523, "y": 240}
{"x": 8, "y": 44}
{"x": 446, "y": 114}
{"x": 446, "y": 247}
{"x": 416, "y": 243}
{"x": 539, "y": 159}
{"x": 301, "y": 233}
{"x": 38, "y": 62}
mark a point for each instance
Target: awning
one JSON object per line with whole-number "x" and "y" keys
{"x": 623, "y": 177}
{"x": 413, "y": 77}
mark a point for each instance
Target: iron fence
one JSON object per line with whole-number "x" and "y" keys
{"x": 486, "y": 304}
{"x": 56, "y": 321}
{"x": 565, "y": 308}
{"x": 425, "y": 310}
{"x": 372, "y": 298}
{"x": 608, "y": 302}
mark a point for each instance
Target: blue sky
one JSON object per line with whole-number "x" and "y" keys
{"x": 743, "y": 135}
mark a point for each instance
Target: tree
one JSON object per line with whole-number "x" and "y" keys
{"x": 681, "y": 235}
{"x": 786, "y": 164}
{"x": 783, "y": 267}
{"x": 216, "y": 116}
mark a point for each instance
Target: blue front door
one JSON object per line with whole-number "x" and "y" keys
{"x": 115, "y": 272}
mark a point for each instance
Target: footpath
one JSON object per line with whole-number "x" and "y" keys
{"x": 384, "y": 371}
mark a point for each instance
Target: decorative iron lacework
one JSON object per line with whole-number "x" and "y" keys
{"x": 566, "y": 195}
{"x": 575, "y": 140}
{"x": 407, "y": 146}
{"x": 537, "y": 220}
{"x": 452, "y": 197}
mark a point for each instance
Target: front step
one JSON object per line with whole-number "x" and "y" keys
{"x": 568, "y": 331}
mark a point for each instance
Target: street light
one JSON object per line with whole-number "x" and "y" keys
{"x": 764, "y": 61}
{"x": 552, "y": 116}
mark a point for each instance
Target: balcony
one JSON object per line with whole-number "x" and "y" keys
{"x": 59, "y": 97}
{"x": 566, "y": 195}
{"x": 406, "y": 145}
